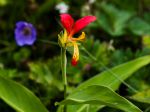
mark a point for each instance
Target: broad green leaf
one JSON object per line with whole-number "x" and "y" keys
{"x": 143, "y": 96}
{"x": 106, "y": 78}
{"x": 19, "y": 97}
{"x": 122, "y": 72}
{"x": 83, "y": 108}
{"x": 99, "y": 95}
{"x": 139, "y": 26}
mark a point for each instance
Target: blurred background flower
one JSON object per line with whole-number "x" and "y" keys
{"x": 25, "y": 33}
{"x": 92, "y": 1}
{"x": 62, "y": 7}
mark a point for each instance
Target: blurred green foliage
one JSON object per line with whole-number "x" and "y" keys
{"x": 120, "y": 34}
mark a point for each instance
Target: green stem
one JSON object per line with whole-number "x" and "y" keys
{"x": 48, "y": 42}
{"x": 88, "y": 108}
{"x": 64, "y": 76}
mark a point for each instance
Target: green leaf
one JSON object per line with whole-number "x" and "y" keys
{"x": 122, "y": 71}
{"x": 99, "y": 95}
{"x": 9, "y": 73}
{"x": 139, "y": 27}
{"x": 19, "y": 97}
{"x": 113, "y": 20}
{"x": 106, "y": 78}
{"x": 46, "y": 74}
{"x": 143, "y": 96}
{"x": 146, "y": 41}
{"x": 40, "y": 72}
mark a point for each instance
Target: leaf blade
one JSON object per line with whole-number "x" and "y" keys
{"x": 143, "y": 96}
{"x": 96, "y": 94}
{"x": 112, "y": 82}
{"x": 122, "y": 71}
{"x": 19, "y": 97}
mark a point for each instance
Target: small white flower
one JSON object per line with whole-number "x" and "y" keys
{"x": 62, "y": 7}
{"x": 92, "y": 1}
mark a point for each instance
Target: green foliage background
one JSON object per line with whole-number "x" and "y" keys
{"x": 120, "y": 34}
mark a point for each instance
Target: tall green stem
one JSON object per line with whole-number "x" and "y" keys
{"x": 63, "y": 67}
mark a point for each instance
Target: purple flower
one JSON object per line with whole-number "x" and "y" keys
{"x": 25, "y": 33}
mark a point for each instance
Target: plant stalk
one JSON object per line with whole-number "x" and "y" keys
{"x": 64, "y": 76}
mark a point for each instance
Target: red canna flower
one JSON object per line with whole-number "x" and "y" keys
{"x": 72, "y": 28}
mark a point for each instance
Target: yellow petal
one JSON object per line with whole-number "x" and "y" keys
{"x": 62, "y": 38}
{"x": 76, "y": 52}
{"x": 80, "y": 38}
{"x": 65, "y": 36}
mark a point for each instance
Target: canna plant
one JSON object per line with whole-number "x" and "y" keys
{"x": 66, "y": 39}
{"x": 95, "y": 94}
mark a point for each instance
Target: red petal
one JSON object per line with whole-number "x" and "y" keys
{"x": 74, "y": 62}
{"x": 67, "y": 22}
{"x": 83, "y": 22}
